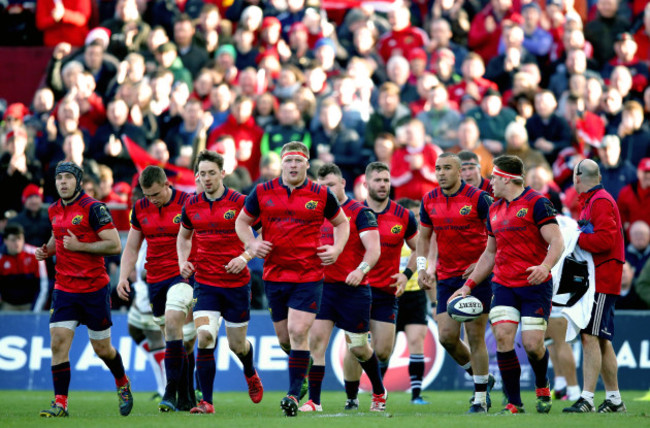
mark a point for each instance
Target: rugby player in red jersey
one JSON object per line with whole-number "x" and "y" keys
{"x": 222, "y": 281}
{"x": 346, "y": 293}
{"x": 470, "y": 171}
{"x": 524, "y": 243}
{"x": 292, "y": 209}
{"x": 82, "y": 234}
{"x": 157, "y": 218}
{"x": 452, "y": 238}
{"x": 396, "y": 225}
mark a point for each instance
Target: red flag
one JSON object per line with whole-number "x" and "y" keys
{"x": 181, "y": 178}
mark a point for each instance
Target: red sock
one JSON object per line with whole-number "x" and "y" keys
{"x": 61, "y": 401}
{"x": 121, "y": 381}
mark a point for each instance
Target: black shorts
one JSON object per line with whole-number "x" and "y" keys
{"x": 601, "y": 323}
{"x": 91, "y": 309}
{"x": 412, "y": 309}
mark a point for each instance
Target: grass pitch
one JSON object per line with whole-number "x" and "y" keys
{"x": 447, "y": 408}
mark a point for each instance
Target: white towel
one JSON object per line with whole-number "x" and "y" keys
{"x": 579, "y": 314}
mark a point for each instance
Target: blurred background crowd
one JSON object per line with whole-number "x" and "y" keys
{"x": 135, "y": 82}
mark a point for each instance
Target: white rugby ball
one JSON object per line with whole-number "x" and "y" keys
{"x": 464, "y": 309}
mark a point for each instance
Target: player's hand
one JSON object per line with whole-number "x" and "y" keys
{"x": 235, "y": 265}
{"x": 41, "y": 253}
{"x": 469, "y": 271}
{"x": 426, "y": 280}
{"x": 123, "y": 289}
{"x": 400, "y": 283}
{"x": 187, "y": 269}
{"x": 259, "y": 249}
{"x": 71, "y": 242}
{"x": 354, "y": 278}
{"x": 328, "y": 254}
{"x": 537, "y": 274}
{"x": 462, "y": 291}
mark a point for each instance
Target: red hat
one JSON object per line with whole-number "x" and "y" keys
{"x": 644, "y": 165}
{"x": 99, "y": 33}
{"x": 270, "y": 21}
{"x": 417, "y": 53}
{"x": 32, "y": 190}
{"x": 17, "y": 111}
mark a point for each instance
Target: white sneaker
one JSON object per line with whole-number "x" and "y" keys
{"x": 310, "y": 406}
{"x": 378, "y": 403}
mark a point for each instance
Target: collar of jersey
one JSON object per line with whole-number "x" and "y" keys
{"x": 460, "y": 189}
{"x": 223, "y": 195}
{"x": 385, "y": 209}
{"x": 172, "y": 198}
{"x": 304, "y": 183}
{"x": 77, "y": 199}
{"x": 589, "y": 193}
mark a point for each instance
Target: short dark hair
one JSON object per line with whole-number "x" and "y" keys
{"x": 151, "y": 175}
{"x": 210, "y": 156}
{"x": 183, "y": 17}
{"x": 329, "y": 168}
{"x": 376, "y": 166}
{"x": 408, "y": 203}
{"x": 467, "y": 156}
{"x": 512, "y": 165}
{"x": 14, "y": 229}
{"x": 295, "y": 146}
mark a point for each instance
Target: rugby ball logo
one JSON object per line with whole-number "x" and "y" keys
{"x": 396, "y": 229}
{"x": 464, "y": 309}
{"x": 230, "y": 214}
{"x": 466, "y": 210}
{"x": 77, "y": 219}
{"x": 522, "y": 212}
{"x": 311, "y": 205}
{"x": 177, "y": 218}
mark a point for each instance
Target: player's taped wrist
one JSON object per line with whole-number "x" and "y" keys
{"x": 364, "y": 267}
{"x": 245, "y": 256}
{"x": 421, "y": 263}
{"x": 408, "y": 273}
{"x": 470, "y": 283}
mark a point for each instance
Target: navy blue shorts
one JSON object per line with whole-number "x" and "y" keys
{"x": 347, "y": 306}
{"x": 412, "y": 309}
{"x": 384, "y": 306}
{"x": 304, "y": 297}
{"x": 233, "y": 303}
{"x": 601, "y": 323}
{"x": 92, "y": 309}
{"x": 447, "y": 287}
{"x": 530, "y": 301}
{"x": 158, "y": 294}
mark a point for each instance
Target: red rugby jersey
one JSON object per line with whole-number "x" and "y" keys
{"x": 291, "y": 221}
{"x": 217, "y": 243}
{"x": 486, "y": 186}
{"x": 459, "y": 223}
{"x": 79, "y": 272}
{"x": 160, "y": 228}
{"x": 361, "y": 219}
{"x": 396, "y": 224}
{"x": 401, "y": 42}
{"x": 520, "y": 244}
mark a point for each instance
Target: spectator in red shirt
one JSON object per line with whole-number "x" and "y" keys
{"x": 642, "y": 37}
{"x": 403, "y": 36}
{"x": 473, "y": 82}
{"x": 485, "y": 31}
{"x": 63, "y": 21}
{"x": 634, "y": 199}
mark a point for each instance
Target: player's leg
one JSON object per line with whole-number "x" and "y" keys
{"x": 351, "y": 377}
{"x": 415, "y": 334}
{"x": 236, "y": 333}
{"x": 479, "y": 358}
{"x": 564, "y": 365}
{"x": 535, "y": 310}
{"x": 319, "y": 336}
{"x": 207, "y": 327}
{"x": 186, "y": 394}
{"x": 449, "y": 329}
{"x": 609, "y": 370}
{"x": 154, "y": 345}
{"x": 61, "y": 335}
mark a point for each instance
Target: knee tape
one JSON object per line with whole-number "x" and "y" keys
{"x": 533, "y": 323}
{"x": 160, "y": 321}
{"x": 189, "y": 332}
{"x": 179, "y": 297}
{"x": 499, "y": 314}
{"x": 355, "y": 340}
{"x": 212, "y": 327}
{"x": 70, "y": 325}
{"x": 99, "y": 335}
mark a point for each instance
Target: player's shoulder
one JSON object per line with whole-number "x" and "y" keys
{"x": 432, "y": 195}
{"x": 142, "y": 204}
{"x": 398, "y": 210}
{"x": 194, "y": 199}
{"x": 182, "y": 197}
{"x": 268, "y": 185}
{"x": 234, "y": 196}
{"x": 86, "y": 201}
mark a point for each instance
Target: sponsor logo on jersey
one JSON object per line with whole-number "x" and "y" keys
{"x": 77, "y": 219}
{"x": 311, "y": 205}
{"x": 522, "y": 212}
{"x": 396, "y": 229}
{"x": 177, "y": 218}
{"x": 230, "y": 214}
{"x": 466, "y": 210}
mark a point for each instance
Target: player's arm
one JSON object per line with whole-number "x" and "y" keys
{"x": 370, "y": 241}
{"x": 243, "y": 227}
{"x": 341, "y": 230}
{"x": 411, "y": 238}
{"x": 553, "y": 237}
{"x": 46, "y": 250}
{"x": 183, "y": 248}
{"x": 426, "y": 255}
{"x": 108, "y": 245}
{"x": 482, "y": 270}
{"x": 129, "y": 259}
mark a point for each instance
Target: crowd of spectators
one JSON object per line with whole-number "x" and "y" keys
{"x": 552, "y": 82}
